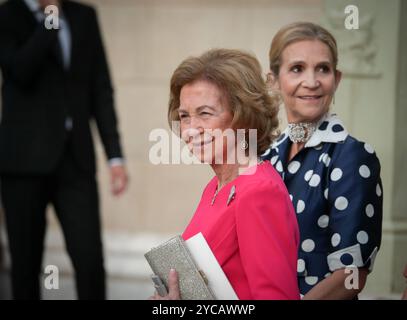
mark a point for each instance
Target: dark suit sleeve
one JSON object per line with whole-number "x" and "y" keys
{"x": 102, "y": 96}
{"x": 21, "y": 61}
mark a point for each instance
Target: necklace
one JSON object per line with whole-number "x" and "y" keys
{"x": 218, "y": 188}
{"x": 230, "y": 198}
{"x": 214, "y": 196}
{"x": 301, "y": 132}
{"x": 232, "y": 190}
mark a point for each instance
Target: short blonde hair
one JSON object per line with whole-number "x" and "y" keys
{"x": 295, "y": 32}
{"x": 238, "y": 74}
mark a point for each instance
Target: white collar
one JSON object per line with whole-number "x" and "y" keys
{"x": 33, "y": 5}
{"x": 330, "y": 129}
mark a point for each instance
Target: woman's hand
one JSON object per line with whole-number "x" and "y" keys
{"x": 173, "y": 288}
{"x": 333, "y": 287}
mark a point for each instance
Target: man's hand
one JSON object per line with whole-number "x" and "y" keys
{"x": 45, "y": 3}
{"x": 118, "y": 179}
{"x": 404, "y": 297}
{"x": 173, "y": 288}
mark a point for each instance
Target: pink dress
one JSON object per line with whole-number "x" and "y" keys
{"x": 255, "y": 237}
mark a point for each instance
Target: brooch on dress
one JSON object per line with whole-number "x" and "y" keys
{"x": 231, "y": 195}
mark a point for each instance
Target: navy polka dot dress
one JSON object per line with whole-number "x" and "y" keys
{"x": 335, "y": 187}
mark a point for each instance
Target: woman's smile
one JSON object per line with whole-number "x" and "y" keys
{"x": 310, "y": 98}
{"x": 200, "y": 143}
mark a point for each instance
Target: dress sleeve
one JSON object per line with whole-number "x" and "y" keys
{"x": 268, "y": 236}
{"x": 355, "y": 204}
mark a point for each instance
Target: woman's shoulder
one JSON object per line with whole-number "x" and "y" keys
{"x": 354, "y": 150}
{"x": 265, "y": 178}
{"x": 262, "y": 194}
{"x": 354, "y": 143}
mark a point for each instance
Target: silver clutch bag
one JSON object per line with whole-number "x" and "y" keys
{"x": 174, "y": 254}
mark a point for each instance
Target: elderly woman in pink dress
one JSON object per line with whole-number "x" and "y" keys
{"x": 245, "y": 213}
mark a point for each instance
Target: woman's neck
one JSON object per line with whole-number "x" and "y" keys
{"x": 291, "y": 118}
{"x": 295, "y": 148}
{"x": 228, "y": 172}
{"x": 225, "y": 173}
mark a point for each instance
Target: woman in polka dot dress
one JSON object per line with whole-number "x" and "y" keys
{"x": 333, "y": 179}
